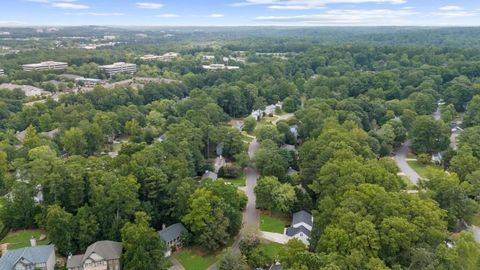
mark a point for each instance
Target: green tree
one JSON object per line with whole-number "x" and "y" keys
{"x": 472, "y": 114}
{"x": 74, "y": 141}
{"x": 60, "y": 226}
{"x": 249, "y": 124}
{"x": 428, "y": 135}
{"x": 142, "y": 244}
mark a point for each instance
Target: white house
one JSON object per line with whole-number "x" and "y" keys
{"x": 301, "y": 227}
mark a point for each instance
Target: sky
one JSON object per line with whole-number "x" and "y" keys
{"x": 241, "y": 12}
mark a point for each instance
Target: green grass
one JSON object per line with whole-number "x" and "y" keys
{"x": 421, "y": 169}
{"x": 272, "y": 224}
{"x": 271, "y": 249}
{"x": 20, "y": 239}
{"x": 193, "y": 259}
{"x": 237, "y": 182}
{"x": 476, "y": 220}
{"x": 409, "y": 183}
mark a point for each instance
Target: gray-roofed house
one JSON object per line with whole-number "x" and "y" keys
{"x": 210, "y": 175}
{"x": 35, "y": 257}
{"x": 104, "y": 255}
{"x": 276, "y": 266}
{"x": 172, "y": 236}
{"x": 302, "y": 223}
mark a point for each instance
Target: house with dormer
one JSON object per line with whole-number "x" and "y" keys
{"x": 29, "y": 258}
{"x": 101, "y": 255}
{"x": 301, "y": 227}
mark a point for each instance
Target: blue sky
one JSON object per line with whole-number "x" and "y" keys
{"x": 240, "y": 12}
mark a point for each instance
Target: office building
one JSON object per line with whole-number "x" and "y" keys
{"x": 49, "y": 65}
{"x": 120, "y": 67}
{"x": 167, "y": 57}
{"x": 219, "y": 67}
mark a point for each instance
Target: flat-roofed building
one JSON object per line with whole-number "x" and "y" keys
{"x": 89, "y": 82}
{"x": 219, "y": 67}
{"x": 48, "y": 65}
{"x": 165, "y": 57}
{"x": 2, "y": 72}
{"x": 30, "y": 91}
{"x": 120, "y": 67}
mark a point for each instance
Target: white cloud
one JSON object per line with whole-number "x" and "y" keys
{"x": 168, "y": 15}
{"x": 455, "y": 11}
{"x": 149, "y": 5}
{"x": 11, "y": 23}
{"x": 68, "y": 5}
{"x": 309, "y": 4}
{"x": 451, "y": 8}
{"x": 345, "y": 17}
{"x": 216, "y": 15}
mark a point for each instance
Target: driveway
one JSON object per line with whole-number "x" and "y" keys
{"x": 476, "y": 233}
{"x": 175, "y": 264}
{"x": 253, "y": 148}
{"x": 275, "y": 237}
{"x": 282, "y": 117}
{"x": 401, "y": 160}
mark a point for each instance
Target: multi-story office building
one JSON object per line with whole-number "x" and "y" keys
{"x": 48, "y": 65}
{"x": 165, "y": 57}
{"x": 120, "y": 67}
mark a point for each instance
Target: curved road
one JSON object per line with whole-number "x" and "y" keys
{"x": 401, "y": 160}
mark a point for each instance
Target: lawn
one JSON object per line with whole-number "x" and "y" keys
{"x": 237, "y": 182}
{"x": 476, "y": 220}
{"x": 20, "y": 239}
{"x": 271, "y": 249}
{"x": 193, "y": 259}
{"x": 409, "y": 183}
{"x": 421, "y": 169}
{"x": 272, "y": 224}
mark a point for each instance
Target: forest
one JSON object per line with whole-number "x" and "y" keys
{"x": 355, "y": 97}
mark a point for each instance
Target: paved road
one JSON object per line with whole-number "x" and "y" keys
{"x": 251, "y": 216}
{"x": 401, "y": 160}
{"x": 437, "y": 115}
{"x": 253, "y": 148}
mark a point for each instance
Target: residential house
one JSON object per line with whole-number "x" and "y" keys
{"x": 276, "y": 266}
{"x": 29, "y": 258}
{"x": 437, "y": 158}
{"x": 210, "y": 175}
{"x": 257, "y": 114}
{"x": 301, "y": 227}
{"x": 101, "y": 255}
{"x": 172, "y": 236}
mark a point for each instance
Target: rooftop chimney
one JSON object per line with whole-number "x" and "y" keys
{"x": 33, "y": 241}
{"x": 164, "y": 226}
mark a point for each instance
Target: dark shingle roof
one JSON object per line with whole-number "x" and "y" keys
{"x": 302, "y": 216}
{"x": 108, "y": 250}
{"x": 292, "y": 231}
{"x": 276, "y": 266}
{"x": 34, "y": 255}
{"x": 172, "y": 232}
